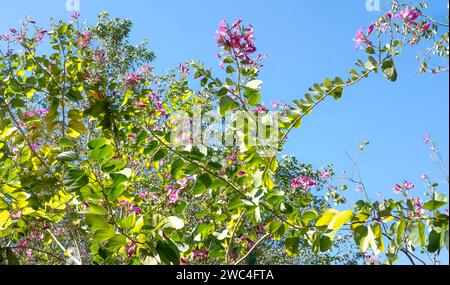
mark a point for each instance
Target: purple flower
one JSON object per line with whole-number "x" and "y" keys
{"x": 184, "y": 70}
{"x": 302, "y": 182}
{"x": 74, "y": 16}
{"x": 408, "y": 186}
{"x": 397, "y": 188}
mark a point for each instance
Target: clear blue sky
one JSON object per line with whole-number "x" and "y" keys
{"x": 306, "y": 42}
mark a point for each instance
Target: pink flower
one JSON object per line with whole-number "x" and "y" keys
{"x": 275, "y": 105}
{"x": 29, "y": 115}
{"x": 139, "y": 104}
{"x": 427, "y": 139}
{"x": 184, "y": 70}
{"x": 130, "y": 249}
{"x": 99, "y": 55}
{"x": 325, "y": 175}
{"x": 16, "y": 215}
{"x": 236, "y": 23}
{"x": 397, "y": 188}
{"x": 41, "y": 35}
{"x": 146, "y": 69}
{"x": 424, "y": 176}
{"x": 419, "y": 210}
{"x": 237, "y": 40}
{"x": 361, "y": 38}
{"x": 408, "y": 186}
{"x": 241, "y": 173}
{"x": 389, "y": 15}
{"x": 183, "y": 261}
{"x": 22, "y": 243}
{"x": 261, "y": 108}
{"x": 137, "y": 210}
{"x": 302, "y": 182}
{"x": 85, "y": 39}
{"x": 370, "y": 30}
{"x": 74, "y": 16}
{"x": 199, "y": 254}
{"x": 133, "y": 79}
{"x": 173, "y": 194}
{"x": 155, "y": 198}
{"x": 426, "y": 27}
{"x": 409, "y": 15}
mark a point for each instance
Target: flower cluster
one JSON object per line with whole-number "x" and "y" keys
{"x": 85, "y": 39}
{"x": 133, "y": 78}
{"x": 199, "y": 254}
{"x": 237, "y": 40}
{"x": 409, "y": 17}
{"x": 303, "y": 182}
{"x": 129, "y": 207}
{"x": 174, "y": 191}
{"x": 418, "y": 207}
{"x": 404, "y": 188}
{"x": 35, "y": 113}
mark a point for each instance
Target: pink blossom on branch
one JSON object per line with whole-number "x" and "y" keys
{"x": 237, "y": 40}
{"x": 302, "y": 182}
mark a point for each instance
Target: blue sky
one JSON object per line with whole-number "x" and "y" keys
{"x": 307, "y": 41}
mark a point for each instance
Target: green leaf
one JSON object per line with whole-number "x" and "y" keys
{"x": 389, "y": 70}
{"x": 254, "y": 84}
{"x": 309, "y": 216}
{"x": 75, "y": 179}
{"x": 202, "y": 184}
{"x": 435, "y": 240}
{"x": 226, "y": 104}
{"x": 291, "y": 244}
{"x": 67, "y": 156}
{"x": 340, "y": 219}
{"x": 96, "y": 209}
{"x": 116, "y": 242}
{"x": 159, "y": 155}
{"x": 417, "y": 234}
{"x": 66, "y": 143}
{"x": 104, "y": 234}
{"x": 11, "y": 257}
{"x": 113, "y": 166}
{"x": 176, "y": 168}
{"x": 168, "y": 252}
{"x": 96, "y": 222}
{"x": 4, "y": 216}
{"x": 97, "y": 143}
{"x": 400, "y": 231}
{"x": 370, "y": 50}
{"x": 174, "y": 223}
{"x": 439, "y": 200}
{"x": 326, "y": 240}
{"x": 106, "y": 152}
{"x": 151, "y": 147}
{"x": 326, "y": 218}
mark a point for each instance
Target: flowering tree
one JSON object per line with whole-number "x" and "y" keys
{"x": 104, "y": 162}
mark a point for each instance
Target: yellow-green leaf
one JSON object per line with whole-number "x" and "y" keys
{"x": 340, "y": 219}
{"x": 326, "y": 218}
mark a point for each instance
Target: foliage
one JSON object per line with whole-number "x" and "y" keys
{"x": 90, "y": 172}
